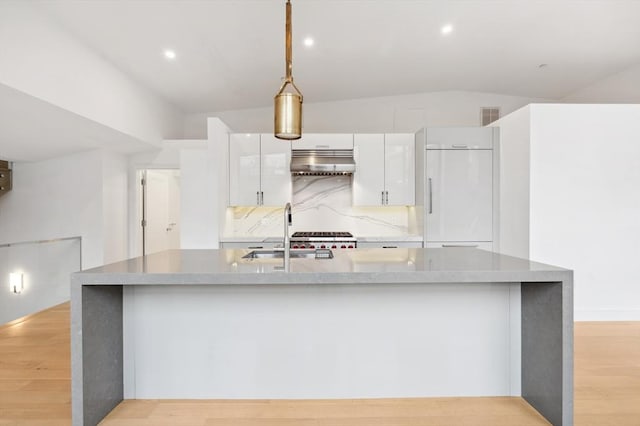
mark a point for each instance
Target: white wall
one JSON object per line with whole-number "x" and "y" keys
{"x": 203, "y": 191}
{"x": 390, "y": 114}
{"x": 41, "y": 59}
{"x": 57, "y": 198}
{"x": 77, "y": 195}
{"x": 622, "y": 87}
{"x": 583, "y": 200}
{"x": 513, "y": 200}
{"x": 83, "y": 195}
{"x": 45, "y": 268}
{"x": 115, "y": 207}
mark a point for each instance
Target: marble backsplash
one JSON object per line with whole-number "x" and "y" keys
{"x": 321, "y": 203}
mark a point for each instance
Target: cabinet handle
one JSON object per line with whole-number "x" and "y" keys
{"x": 459, "y": 146}
{"x": 382, "y": 202}
{"x": 389, "y": 246}
{"x": 459, "y": 245}
{"x": 430, "y": 197}
{"x": 261, "y": 198}
{"x": 387, "y": 198}
{"x": 255, "y": 247}
{"x": 258, "y": 197}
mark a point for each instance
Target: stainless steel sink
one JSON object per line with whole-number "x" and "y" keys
{"x": 295, "y": 254}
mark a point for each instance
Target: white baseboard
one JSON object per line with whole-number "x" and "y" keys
{"x": 607, "y": 315}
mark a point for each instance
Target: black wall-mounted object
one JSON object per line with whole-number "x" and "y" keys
{"x": 5, "y": 177}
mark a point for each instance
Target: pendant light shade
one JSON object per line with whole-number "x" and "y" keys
{"x": 288, "y": 100}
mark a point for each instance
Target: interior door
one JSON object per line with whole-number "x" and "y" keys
{"x": 459, "y": 196}
{"x": 162, "y": 210}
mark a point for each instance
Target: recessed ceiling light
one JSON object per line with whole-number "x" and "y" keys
{"x": 447, "y": 29}
{"x": 308, "y": 42}
{"x": 170, "y": 54}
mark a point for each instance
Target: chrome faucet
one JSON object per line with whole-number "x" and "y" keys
{"x": 287, "y": 242}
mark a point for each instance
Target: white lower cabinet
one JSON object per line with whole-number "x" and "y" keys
{"x": 259, "y": 172}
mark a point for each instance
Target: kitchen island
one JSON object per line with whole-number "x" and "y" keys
{"x": 369, "y": 323}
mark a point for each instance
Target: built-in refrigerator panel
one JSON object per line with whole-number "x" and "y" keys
{"x": 459, "y": 195}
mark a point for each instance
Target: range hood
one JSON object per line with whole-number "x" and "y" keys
{"x": 322, "y": 162}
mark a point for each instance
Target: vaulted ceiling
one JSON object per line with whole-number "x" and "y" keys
{"x": 230, "y": 53}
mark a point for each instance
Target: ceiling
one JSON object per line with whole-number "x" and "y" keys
{"x": 33, "y": 130}
{"x": 230, "y": 53}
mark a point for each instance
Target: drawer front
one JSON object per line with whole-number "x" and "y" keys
{"x": 484, "y": 245}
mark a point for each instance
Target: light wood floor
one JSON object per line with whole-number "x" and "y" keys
{"x": 35, "y": 389}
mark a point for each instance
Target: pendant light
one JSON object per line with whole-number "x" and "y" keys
{"x": 288, "y": 103}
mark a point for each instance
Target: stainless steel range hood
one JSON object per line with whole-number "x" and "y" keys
{"x": 322, "y": 162}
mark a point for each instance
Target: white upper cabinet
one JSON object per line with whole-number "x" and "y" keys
{"x": 385, "y": 172}
{"x": 460, "y": 137}
{"x": 324, "y": 141}
{"x": 459, "y": 195}
{"x": 244, "y": 169}
{"x": 368, "y": 179}
{"x": 276, "y": 174}
{"x": 399, "y": 169}
{"x": 258, "y": 170}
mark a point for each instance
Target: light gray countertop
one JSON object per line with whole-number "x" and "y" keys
{"x": 437, "y": 265}
{"x": 361, "y": 238}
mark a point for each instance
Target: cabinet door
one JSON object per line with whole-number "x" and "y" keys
{"x": 459, "y": 196}
{"x": 276, "y": 172}
{"x": 460, "y": 137}
{"x": 368, "y": 179}
{"x": 399, "y": 169}
{"x": 244, "y": 169}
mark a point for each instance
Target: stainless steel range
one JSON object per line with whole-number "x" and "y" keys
{"x": 330, "y": 240}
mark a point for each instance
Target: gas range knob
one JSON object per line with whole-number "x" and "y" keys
{"x": 302, "y": 246}
{"x": 350, "y": 246}
{"x": 295, "y": 246}
{"x": 333, "y": 246}
{"x": 312, "y": 246}
{"x": 323, "y": 246}
{"x": 343, "y": 246}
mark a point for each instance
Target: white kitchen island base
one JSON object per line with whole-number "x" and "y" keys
{"x": 433, "y": 322}
{"x": 312, "y": 342}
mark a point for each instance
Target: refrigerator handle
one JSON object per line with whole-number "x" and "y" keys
{"x": 430, "y": 197}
